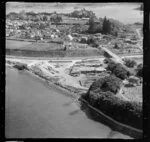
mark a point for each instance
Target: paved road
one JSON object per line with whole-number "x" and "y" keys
{"x": 48, "y": 58}
{"x": 70, "y": 58}
{"x": 116, "y": 57}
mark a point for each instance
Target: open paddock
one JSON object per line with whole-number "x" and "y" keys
{"x": 54, "y": 53}
{"x": 32, "y": 46}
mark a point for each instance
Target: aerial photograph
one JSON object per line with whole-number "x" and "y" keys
{"x": 74, "y": 70}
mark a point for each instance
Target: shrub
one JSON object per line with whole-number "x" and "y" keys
{"x": 108, "y": 83}
{"x": 139, "y": 70}
{"x": 118, "y": 70}
{"x": 116, "y": 46}
{"x": 20, "y": 66}
{"x": 130, "y": 63}
{"x": 83, "y": 40}
{"x": 107, "y": 60}
{"x": 93, "y": 42}
{"x": 126, "y": 112}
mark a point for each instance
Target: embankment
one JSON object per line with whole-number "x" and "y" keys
{"x": 115, "y": 125}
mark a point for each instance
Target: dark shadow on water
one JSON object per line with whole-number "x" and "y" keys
{"x": 67, "y": 104}
{"x": 74, "y": 112}
{"x": 94, "y": 116}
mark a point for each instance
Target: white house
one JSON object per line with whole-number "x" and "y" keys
{"x": 70, "y": 37}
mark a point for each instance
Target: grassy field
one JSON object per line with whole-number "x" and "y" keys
{"x": 34, "y": 46}
{"x": 35, "y": 49}
{"x": 13, "y": 44}
{"x": 54, "y": 53}
{"x": 133, "y": 93}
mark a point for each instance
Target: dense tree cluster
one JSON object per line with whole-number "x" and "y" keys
{"x": 83, "y": 13}
{"x": 111, "y": 26}
{"x": 20, "y": 66}
{"x": 118, "y": 70}
{"x": 92, "y": 25}
{"x": 116, "y": 46}
{"x": 109, "y": 83}
{"x": 106, "y": 26}
{"x": 126, "y": 112}
{"x": 56, "y": 18}
{"x": 139, "y": 70}
{"x": 101, "y": 95}
{"x": 92, "y": 42}
{"x": 130, "y": 63}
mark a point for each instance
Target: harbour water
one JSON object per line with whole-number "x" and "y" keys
{"x": 124, "y": 12}
{"x": 36, "y": 110}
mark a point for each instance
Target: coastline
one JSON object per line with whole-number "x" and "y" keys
{"x": 75, "y": 96}
{"x": 114, "y": 124}
{"x": 48, "y": 83}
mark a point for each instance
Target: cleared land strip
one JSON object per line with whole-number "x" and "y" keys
{"x": 69, "y": 58}
{"x": 53, "y": 58}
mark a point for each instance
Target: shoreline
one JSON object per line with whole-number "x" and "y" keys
{"x": 110, "y": 122}
{"x": 57, "y": 87}
{"x": 114, "y": 124}
{"x": 65, "y": 91}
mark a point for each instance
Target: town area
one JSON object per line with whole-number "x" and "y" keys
{"x": 98, "y": 59}
{"x": 79, "y": 34}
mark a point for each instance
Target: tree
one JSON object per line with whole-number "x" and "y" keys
{"x": 116, "y": 46}
{"x": 22, "y": 27}
{"x": 106, "y": 26}
{"x": 65, "y": 48}
{"x": 91, "y": 24}
{"x": 118, "y": 70}
{"x": 109, "y": 83}
{"x": 139, "y": 70}
{"x": 56, "y": 18}
{"x": 116, "y": 34}
{"x": 37, "y": 38}
{"x": 12, "y": 15}
{"x": 130, "y": 63}
{"x": 22, "y": 15}
{"x": 45, "y": 18}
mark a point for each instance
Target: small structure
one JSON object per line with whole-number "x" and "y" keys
{"x": 83, "y": 39}
{"x": 70, "y": 37}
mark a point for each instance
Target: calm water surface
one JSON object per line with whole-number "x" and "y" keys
{"x": 34, "y": 110}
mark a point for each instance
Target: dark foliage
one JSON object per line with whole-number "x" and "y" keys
{"x": 108, "y": 83}
{"x": 20, "y": 66}
{"x": 92, "y": 42}
{"x": 116, "y": 46}
{"x": 130, "y": 63}
{"x": 106, "y": 26}
{"x": 101, "y": 95}
{"x": 92, "y": 25}
{"x": 83, "y": 13}
{"x": 139, "y": 70}
{"x": 118, "y": 70}
{"x": 56, "y": 18}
